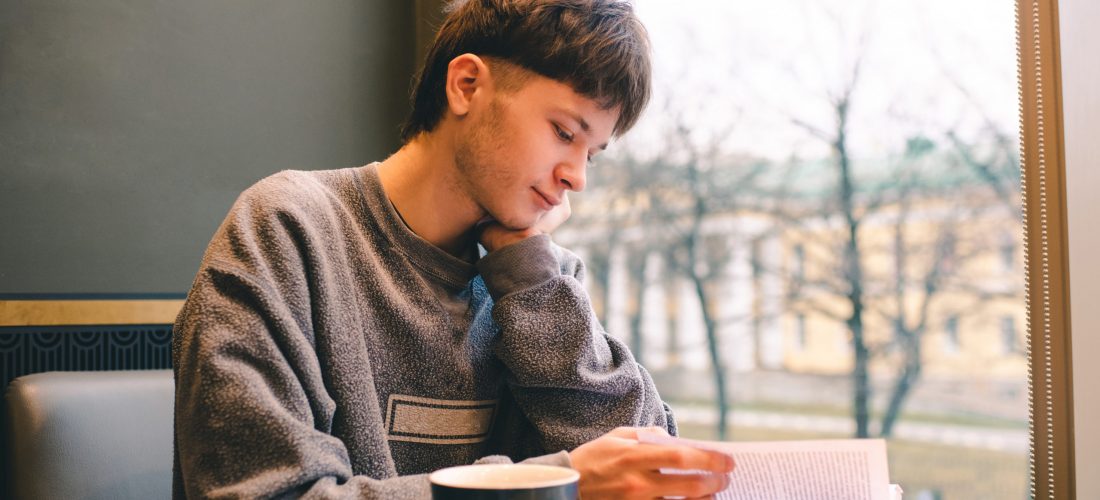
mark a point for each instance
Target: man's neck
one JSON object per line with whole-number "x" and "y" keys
{"x": 420, "y": 180}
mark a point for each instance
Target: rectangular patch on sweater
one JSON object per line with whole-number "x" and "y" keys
{"x": 438, "y": 421}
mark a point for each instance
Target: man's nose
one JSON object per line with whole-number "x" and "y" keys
{"x": 571, "y": 173}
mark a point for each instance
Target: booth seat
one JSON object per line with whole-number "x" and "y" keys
{"x": 91, "y": 435}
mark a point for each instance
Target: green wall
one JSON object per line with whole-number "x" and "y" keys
{"x": 128, "y": 127}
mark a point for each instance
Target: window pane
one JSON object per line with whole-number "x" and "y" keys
{"x": 951, "y": 335}
{"x": 824, "y": 192}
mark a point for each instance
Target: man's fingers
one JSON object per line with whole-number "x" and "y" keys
{"x": 624, "y": 432}
{"x": 688, "y": 485}
{"x": 655, "y": 429}
{"x": 617, "y": 465}
{"x": 632, "y": 432}
{"x": 686, "y": 458}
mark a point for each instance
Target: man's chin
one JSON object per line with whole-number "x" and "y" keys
{"x": 517, "y": 223}
{"x": 517, "y": 227}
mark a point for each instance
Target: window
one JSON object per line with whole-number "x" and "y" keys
{"x": 1009, "y": 342}
{"x": 951, "y": 335}
{"x": 849, "y": 169}
{"x": 798, "y": 265}
{"x": 1008, "y": 250}
{"x": 800, "y": 333}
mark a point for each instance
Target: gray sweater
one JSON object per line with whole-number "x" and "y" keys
{"x": 327, "y": 351}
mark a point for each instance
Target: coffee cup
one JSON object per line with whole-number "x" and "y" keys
{"x": 504, "y": 482}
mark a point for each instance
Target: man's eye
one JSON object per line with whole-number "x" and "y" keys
{"x": 562, "y": 134}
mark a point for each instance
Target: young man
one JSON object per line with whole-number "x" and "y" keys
{"x": 345, "y": 334}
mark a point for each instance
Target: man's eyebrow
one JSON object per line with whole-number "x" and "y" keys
{"x": 576, "y": 117}
{"x": 584, "y": 124}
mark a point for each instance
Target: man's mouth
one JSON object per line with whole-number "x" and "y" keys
{"x": 551, "y": 202}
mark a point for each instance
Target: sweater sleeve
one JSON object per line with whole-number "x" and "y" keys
{"x": 573, "y": 381}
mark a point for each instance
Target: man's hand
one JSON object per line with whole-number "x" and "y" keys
{"x": 494, "y": 236}
{"x": 617, "y": 466}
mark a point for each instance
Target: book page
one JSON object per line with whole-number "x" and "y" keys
{"x": 841, "y": 469}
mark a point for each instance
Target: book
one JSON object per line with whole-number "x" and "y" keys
{"x": 834, "y": 469}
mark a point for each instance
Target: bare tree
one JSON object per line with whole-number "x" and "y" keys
{"x": 908, "y": 190}
{"x": 847, "y": 208}
{"x": 926, "y": 271}
{"x": 671, "y": 196}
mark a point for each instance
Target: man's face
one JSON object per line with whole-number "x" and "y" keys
{"x": 522, "y": 151}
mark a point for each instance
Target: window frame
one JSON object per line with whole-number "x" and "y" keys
{"x": 1043, "y": 188}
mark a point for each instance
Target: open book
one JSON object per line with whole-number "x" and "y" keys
{"x": 839, "y": 469}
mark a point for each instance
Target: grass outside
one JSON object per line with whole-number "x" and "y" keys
{"x": 957, "y": 473}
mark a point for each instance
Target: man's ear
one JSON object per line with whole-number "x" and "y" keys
{"x": 467, "y": 77}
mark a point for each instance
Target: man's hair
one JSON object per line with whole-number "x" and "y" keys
{"x": 597, "y": 47}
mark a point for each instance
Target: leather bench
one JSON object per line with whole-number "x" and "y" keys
{"x": 91, "y": 435}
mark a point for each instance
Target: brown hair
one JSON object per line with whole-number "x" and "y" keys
{"x": 597, "y": 47}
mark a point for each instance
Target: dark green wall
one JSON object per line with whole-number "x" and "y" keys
{"x": 128, "y": 127}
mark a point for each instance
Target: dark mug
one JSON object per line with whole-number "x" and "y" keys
{"x": 504, "y": 482}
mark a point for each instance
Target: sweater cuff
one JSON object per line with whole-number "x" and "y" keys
{"x": 519, "y": 266}
{"x": 494, "y": 459}
{"x": 560, "y": 459}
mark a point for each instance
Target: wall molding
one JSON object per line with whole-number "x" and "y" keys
{"x": 88, "y": 312}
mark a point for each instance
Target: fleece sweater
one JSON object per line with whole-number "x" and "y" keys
{"x": 327, "y": 351}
